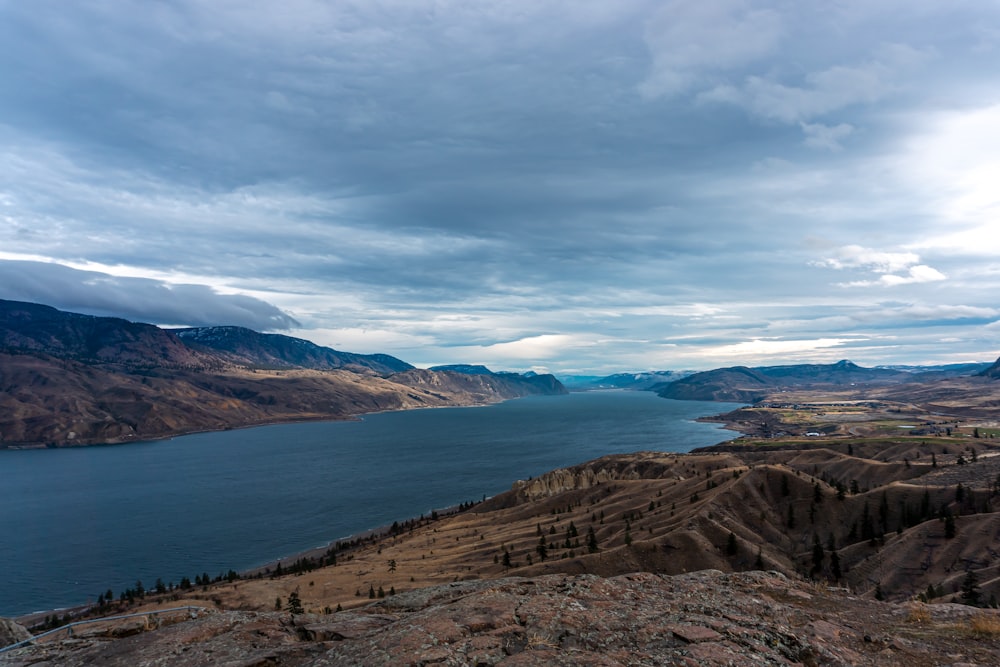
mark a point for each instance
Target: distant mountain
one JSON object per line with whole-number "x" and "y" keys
{"x": 638, "y": 381}
{"x": 480, "y": 384}
{"x": 842, "y": 372}
{"x": 71, "y": 379}
{"x": 942, "y": 370}
{"x": 738, "y": 384}
{"x": 260, "y": 350}
{"x": 993, "y": 372}
{"x": 742, "y": 384}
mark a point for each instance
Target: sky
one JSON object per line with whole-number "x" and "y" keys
{"x": 581, "y": 187}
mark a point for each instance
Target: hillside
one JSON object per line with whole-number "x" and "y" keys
{"x": 759, "y": 556}
{"x": 843, "y": 380}
{"x": 69, "y": 379}
{"x": 246, "y": 347}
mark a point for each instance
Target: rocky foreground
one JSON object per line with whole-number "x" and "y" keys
{"x": 702, "y": 618}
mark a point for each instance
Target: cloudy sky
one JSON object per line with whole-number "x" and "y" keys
{"x": 566, "y": 185}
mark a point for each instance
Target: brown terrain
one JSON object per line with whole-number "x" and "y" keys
{"x": 68, "y": 379}
{"x": 473, "y": 587}
{"x": 854, "y": 525}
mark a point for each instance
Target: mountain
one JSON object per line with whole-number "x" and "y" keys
{"x": 942, "y": 370}
{"x": 468, "y": 369}
{"x": 71, "y": 379}
{"x": 738, "y": 384}
{"x": 993, "y": 372}
{"x": 639, "y": 381}
{"x": 29, "y": 328}
{"x": 479, "y": 386}
{"x": 243, "y": 346}
{"x": 742, "y": 384}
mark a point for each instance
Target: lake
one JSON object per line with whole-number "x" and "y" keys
{"x": 76, "y": 522}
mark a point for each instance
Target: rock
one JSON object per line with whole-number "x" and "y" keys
{"x": 12, "y": 633}
{"x": 705, "y": 618}
{"x": 694, "y": 634}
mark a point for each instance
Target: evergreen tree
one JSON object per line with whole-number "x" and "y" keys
{"x": 592, "y": 541}
{"x": 732, "y": 547}
{"x": 835, "y": 566}
{"x": 949, "y": 525}
{"x": 970, "y": 589}
{"x": 818, "y": 554}
{"x": 294, "y": 605}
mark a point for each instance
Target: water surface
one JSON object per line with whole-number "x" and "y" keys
{"x": 76, "y": 522}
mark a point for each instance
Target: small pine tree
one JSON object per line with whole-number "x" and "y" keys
{"x": 970, "y": 589}
{"x": 818, "y": 555}
{"x": 294, "y": 604}
{"x": 949, "y": 526}
{"x": 732, "y": 547}
{"x": 592, "y": 541}
{"x": 542, "y": 548}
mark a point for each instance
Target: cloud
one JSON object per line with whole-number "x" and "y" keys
{"x": 854, "y": 256}
{"x": 819, "y": 92}
{"x": 762, "y": 349}
{"x": 690, "y": 39}
{"x": 602, "y": 184}
{"x": 825, "y": 137}
{"x": 137, "y": 299}
{"x": 896, "y": 268}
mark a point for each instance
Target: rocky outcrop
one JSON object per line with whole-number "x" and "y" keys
{"x": 12, "y": 632}
{"x": 703, "y": 618}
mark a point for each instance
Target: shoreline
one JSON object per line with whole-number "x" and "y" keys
{"x": 354, "y": 539}
{"x": 355, "y": 417}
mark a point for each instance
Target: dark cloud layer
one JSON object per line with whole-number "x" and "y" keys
{"x": 136, "y": 299}
{"x": 578, "y": 185}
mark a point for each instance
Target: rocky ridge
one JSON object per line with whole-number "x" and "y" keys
{"x": 702, "y": 618}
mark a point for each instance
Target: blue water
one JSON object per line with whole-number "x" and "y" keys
{"x": 76, "y": 522}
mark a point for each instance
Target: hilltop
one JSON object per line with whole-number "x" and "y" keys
{"x": 72, "y": 379}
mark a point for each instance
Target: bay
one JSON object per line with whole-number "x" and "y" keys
{"x": 76, "y": 522}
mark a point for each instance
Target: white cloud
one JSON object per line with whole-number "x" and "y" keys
{"x": 896, "y": 268}
{"x": 920, "y": 273}
{"x": 954, "y": 159}
{"x": 855, "y": 256}
{"x": 760, "y": 348}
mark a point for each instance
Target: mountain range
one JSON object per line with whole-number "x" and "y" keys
{"x": 750, "y": 385}
{"x": 72, "y": 379}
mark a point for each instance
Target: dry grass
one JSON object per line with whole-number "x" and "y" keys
{"x": 918, "y": 614}
{"x": 985, "y": 625}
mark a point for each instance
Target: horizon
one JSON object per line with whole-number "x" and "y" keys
{"x": 567, "y": 187}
